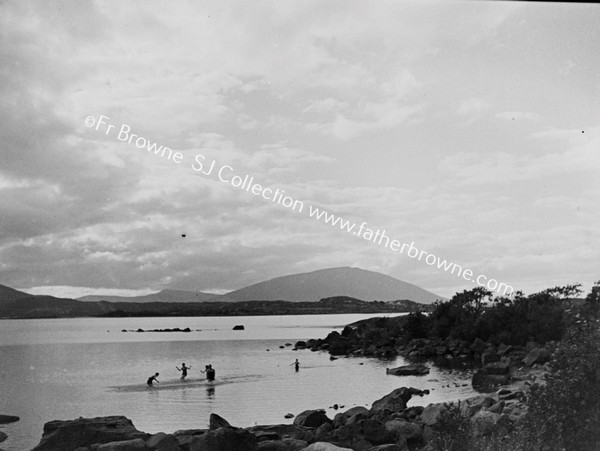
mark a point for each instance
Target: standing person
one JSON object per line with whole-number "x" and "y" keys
{"x": 210, "y": 373}
{"x": 183, "y": 370}
{"x": 296, "y": 365}
{"x": 152, "y": 379}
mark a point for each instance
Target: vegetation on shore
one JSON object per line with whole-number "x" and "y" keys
{"x": 561, "y": 409}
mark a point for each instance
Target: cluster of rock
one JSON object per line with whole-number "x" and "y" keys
{"x": 176, "y": 329}
{"x": 496, "y": 363}
{"x": 389, "y": 425}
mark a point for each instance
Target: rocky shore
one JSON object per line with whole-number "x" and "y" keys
{"x": 389, "y": 425}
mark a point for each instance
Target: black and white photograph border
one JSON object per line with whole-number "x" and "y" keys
{"x": 282, "y": 225}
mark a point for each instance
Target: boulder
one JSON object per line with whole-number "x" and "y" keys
{"x": 537, "y": 355}
{"x": 300, "y": 344}
{"x": 162, "y": 442}
{"x": 396, "y": 400}
{"x": 69, "y": 435}
{"x": 3, "y": 436}
{"x": 5, "y": 419}
{"x": 238, "y": 327}
{"x": 417, "y": 369}
{"x": 341, "y": 418}
{"x": 471, "y": 406}
{"x": 311, "y": 418}
{"x": 370, "y": 430}
{"x": 322, "y": 434}
{"x": 489, "y": 356}
{"x": 125, "y": 445}
{"x": 216, "y": 422}
{"x": 281, "y": 431}
{"x": 185, "y": 437}
{"x": 431, "y": 413}
{"x": 412, "y": 432}
{"x": 225, "y": 439}
{"x": 389, "y": 447}
{"x": 322, "y": 446}
{"x": 285, "y": 444}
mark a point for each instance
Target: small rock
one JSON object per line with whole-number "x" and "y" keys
{"x": 289, "y": 415}
{"x": 238, "y": 327}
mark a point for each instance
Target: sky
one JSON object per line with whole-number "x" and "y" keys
{"x": 469, "y": 129}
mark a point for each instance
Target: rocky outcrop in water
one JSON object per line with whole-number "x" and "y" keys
{"x": 409, "y": 370}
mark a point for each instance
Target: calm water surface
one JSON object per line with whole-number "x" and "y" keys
{"x": 66, "y": 368}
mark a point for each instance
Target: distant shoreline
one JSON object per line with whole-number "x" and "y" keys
{"x": 47, "y": 307}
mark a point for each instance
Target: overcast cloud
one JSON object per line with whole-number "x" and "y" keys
{"x": 469, "y": 128}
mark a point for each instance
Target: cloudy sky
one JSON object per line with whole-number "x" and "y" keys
{"x": 469, "y": 128}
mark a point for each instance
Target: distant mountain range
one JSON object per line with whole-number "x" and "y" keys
{"x": 311, "y": 286}
{"x": 335, "y": 290}
{"x": 161, "y": 296}
{"x": 345, "y": 281}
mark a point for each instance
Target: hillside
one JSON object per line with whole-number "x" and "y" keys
{"x": 8, "y": 294}
{"x": 161, "y": 296}
{"x": 345, "y": 281}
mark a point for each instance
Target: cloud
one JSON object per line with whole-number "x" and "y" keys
{"x": 517, "y": 115}
{"x": 472, "y": 107}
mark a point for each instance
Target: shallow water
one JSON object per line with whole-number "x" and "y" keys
{"x": 67, "y": 368}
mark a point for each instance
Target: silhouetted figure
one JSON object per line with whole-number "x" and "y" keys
{"x": 210, "y": 373}
{"x": 152, "y": 379}
{"x": 183, "y": 370}
{"x": 296, "y": 365}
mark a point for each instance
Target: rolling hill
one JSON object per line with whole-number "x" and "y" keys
{"x": 344, "y": 281}
{"x": 161, "y": 296}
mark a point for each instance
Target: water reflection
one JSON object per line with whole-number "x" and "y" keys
{"x": 210, "y": 392}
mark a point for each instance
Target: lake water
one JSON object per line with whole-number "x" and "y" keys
{"x": 54, "y": 369}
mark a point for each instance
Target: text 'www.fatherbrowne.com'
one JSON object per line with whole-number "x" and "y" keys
{"x": 380, "y": 238}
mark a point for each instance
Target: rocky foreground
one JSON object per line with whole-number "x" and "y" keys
{"x": 388, "y": 425}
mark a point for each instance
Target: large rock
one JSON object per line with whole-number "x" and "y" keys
{"x": 396, "y": 400}
{"x": 136, "y": 444}
{"x": 412, "y": 432}
{"x": 162, "y": 442}
{"x": 537, "y": 355}
{"x": 285, "y": 444}
{"x": 311, "y": 418}
{"x": 341, "y": 418}
{"x": 417, "y": 369}
{"x": 70, "y": 435}
{"x": 225, "y": 439}
{"x": 389, "y": 447}
{"x": 471, "y": 406}
{"x": 216, "y": 422}
{"x": 322, "y": 446}
{"x": 431, "y": 413}
{"x": 372, "y": 431}
{"x": 3, "y": 436}
{"x": 5, "y": 419}
{"x": 281, "y": 431}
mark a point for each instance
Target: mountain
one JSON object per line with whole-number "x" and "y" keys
{"x": 161, "y": 296}
{"x": 345, "y": 281}
{"x": 8, "y": 294}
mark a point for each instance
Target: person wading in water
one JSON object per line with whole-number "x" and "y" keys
{"x": 152, "y": 379}
{"x": 183, "y": 370}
